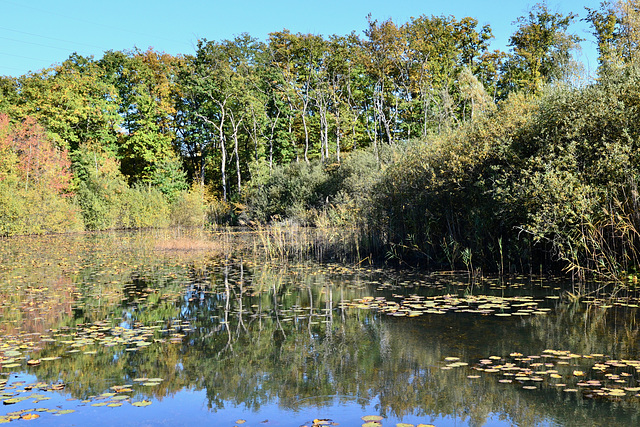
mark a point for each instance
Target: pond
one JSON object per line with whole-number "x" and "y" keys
{"x": 164, "y": 328}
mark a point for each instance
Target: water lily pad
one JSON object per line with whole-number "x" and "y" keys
{"x": 12, "y": 365}
{"x": 30, "y": 416}
{"x": 13, "y": 400}
{"x": 142, "y": 403}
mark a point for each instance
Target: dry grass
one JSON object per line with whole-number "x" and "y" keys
{"x": 187, "y": 244}
{"x": 191, "y": 241}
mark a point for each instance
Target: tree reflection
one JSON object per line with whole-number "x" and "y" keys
{"x": 251, "y": 334}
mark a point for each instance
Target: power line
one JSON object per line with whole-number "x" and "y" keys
{"x": 52, "y": 38}
{"x": 35, "y": 44}
{"x": 20, "y": 56}
{"x": 11, "y": 68}
{"x": 49, "y": 12}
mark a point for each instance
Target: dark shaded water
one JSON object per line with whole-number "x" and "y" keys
{"x": 112, "y": 329}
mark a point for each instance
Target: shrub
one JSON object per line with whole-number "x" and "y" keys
{"x": 35, "y": 211}
{"x": 143, "y": 207}
{"x": 189, "y": 208}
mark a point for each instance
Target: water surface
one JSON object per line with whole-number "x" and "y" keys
{"x": 132, "y": 329}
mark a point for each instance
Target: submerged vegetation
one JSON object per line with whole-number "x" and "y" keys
{"x": 469, "y": 159}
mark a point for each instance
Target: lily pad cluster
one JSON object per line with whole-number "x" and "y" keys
{"x": 610, "y": 302}
{"x": 18, "y": 392}
{"x": 120, "y": 394}
{"x": 376, "y": 421}
{"x": 418, "y": 305}
{"x": 593, "y": 376}
{"x": 88, "y": 338}
{"x": 36, "y": 351}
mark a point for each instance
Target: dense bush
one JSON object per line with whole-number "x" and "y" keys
{"x": 34, "y": 182}
{"x": 331, "y": 194}
{"x": 108, "y": 202}
{"x": 189, "y": 209}
{"x": 288, "y": 192}
{"x": 35, "y": 211}
{"x": 545, "y": 181}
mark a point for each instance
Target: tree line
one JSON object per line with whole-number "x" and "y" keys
{"x": 243, "y": 103}
{"x": 326, "y": 130}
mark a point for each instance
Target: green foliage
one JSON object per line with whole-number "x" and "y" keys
{"x": 147, "y": 93}
{"x": 189, "y": 208}
{"x": 34, "y": 182}
{"x": 169, "y": 177}
{"x": 107, "y": 201}
{"x": 541, "y": 49}
{"x": 36, "y": 210}
{"x": 397, "y": 134}
{"x": 100, "y": 186}
{"x": 546, "y": 181}
{"x": 72, "y": 101}
{"x": 219, "y": 212}
{"x": 289, "y": 192}
{"x": 144, "y": 207}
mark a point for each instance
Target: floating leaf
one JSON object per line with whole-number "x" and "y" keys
{"x": 30, "y": 416}
{"x": 13, "y": 400}
{"x": 142, "y": 403}
{"x": 12, "y": 365}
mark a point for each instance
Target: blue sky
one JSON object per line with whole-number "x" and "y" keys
{"x": 36, "y": 34}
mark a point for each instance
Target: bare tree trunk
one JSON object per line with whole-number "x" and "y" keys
{"x": 338, "y": 135}
{"x": 236, "y": 151}
{"x": 306, "y": 135}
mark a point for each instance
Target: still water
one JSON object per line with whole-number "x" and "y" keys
{"x": 154, "y": 328}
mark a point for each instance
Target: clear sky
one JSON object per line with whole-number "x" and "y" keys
{"x": 36, "y": 34}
